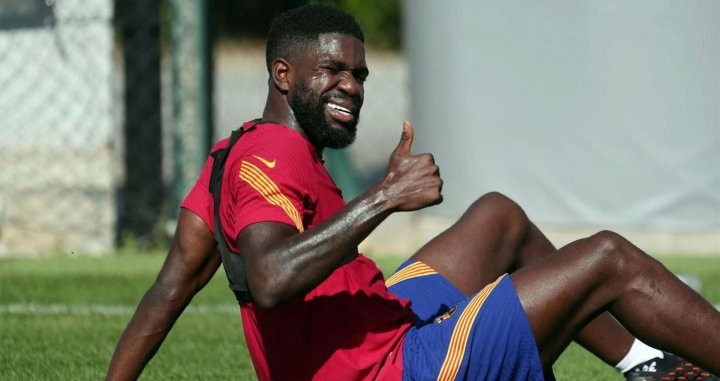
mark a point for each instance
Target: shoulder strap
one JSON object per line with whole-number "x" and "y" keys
{"x": 232, "y": 262}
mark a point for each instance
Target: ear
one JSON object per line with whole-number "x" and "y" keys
{"x": 282, "y": 74}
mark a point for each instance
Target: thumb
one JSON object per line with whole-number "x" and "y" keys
{"x": 406, "y": 140}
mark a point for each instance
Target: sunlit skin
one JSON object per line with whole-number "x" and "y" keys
{"x": 561, "y": 290}
{"x": 334, "y": 68}
{"x": 283, "y": 264}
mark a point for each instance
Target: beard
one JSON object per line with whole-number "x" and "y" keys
{"x": 309, "y": 110}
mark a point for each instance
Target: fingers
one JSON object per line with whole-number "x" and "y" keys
{"x": 406, "y": 139}
{"x": 413, "y": 181}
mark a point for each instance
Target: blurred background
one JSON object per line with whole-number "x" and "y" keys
{"x": 591, "y": 115}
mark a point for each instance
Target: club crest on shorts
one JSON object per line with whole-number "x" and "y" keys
{"x": 446, "y": 315}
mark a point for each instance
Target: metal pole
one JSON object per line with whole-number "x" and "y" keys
{"x": 142, "y": 194}
{"x": 192, "y": 70}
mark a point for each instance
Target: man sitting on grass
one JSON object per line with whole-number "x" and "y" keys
{"x": 490, "y": 298}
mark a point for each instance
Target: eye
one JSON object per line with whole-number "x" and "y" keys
{"x": 360, "y": 76}
{"x": 333, "y": 69}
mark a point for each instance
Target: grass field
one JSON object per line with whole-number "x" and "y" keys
{"x": 60, "y": 318}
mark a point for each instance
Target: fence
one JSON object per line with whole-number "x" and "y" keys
{"x": 56, "y": 126}
{"x": 87, "y": 131}
{"x": 106, "y": 117}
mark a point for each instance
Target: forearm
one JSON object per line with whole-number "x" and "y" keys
{"x": 297, "y": 263}
{"x": 147, "y": 329}
{"x": 190, "y": 264}
{"x": 283, "y": 264}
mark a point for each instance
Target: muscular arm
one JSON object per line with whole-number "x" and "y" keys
{"x": 190, "y": 264}
{"x": 282, "y": 264}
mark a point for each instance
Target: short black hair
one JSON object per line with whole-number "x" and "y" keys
{"x": 300, "y": 25}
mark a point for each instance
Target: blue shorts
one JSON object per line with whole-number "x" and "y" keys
{"x": 482, "y": 337}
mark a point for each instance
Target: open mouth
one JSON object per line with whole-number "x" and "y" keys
{"x": 340, "y": 113}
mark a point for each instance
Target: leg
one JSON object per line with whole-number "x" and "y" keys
{"x": 486, "y": 242}
{"x": 605, "y": 272}
{"x": 494, "y": 237}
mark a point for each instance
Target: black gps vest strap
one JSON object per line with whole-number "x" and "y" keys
{"x": 232, "y": 262}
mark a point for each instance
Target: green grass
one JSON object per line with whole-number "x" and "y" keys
{"x": 77, "y": 341}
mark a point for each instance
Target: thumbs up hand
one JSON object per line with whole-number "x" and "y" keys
{"x": 406, "y": 140}
{"x": 411, "y": 182}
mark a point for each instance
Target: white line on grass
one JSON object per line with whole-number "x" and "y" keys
{"x": 105, "y": 310}
{"x": 112, "y": 309}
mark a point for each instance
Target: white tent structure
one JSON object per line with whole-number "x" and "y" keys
{"x": 590, "y": 114}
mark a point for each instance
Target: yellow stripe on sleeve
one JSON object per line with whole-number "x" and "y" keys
{"x": 414, "y": 270}
{"x": 459, "y": 338}
{"x": 271, "y": 192}
{"x": 259, "y": 181}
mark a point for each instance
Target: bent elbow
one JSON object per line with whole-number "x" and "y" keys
{"x": 265, "y": 302}
{"x": 266, "y": 294}
{"x": 265, "y": 298}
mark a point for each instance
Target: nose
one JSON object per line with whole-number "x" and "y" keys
{"x": 350, "y": 85}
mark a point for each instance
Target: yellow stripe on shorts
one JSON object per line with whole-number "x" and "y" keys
{"x": 460, "y": 335}
{"x": 257, "y": 179}
{"x": 414, "y": 270}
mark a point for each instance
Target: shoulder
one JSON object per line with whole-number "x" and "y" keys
{"x": 275, "y": 146}
{"x": 220, "y": 144}
{"x": 273, "y": 155}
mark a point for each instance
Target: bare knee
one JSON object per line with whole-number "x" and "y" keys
{"x": 614, "y": 255}
{"x": 607, "y": 241}
{"x": 502, "y": 211}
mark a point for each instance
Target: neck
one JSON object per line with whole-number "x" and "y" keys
{"x": 277, "y": 110}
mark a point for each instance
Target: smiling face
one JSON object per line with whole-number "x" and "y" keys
{"x": 327, "y": 92}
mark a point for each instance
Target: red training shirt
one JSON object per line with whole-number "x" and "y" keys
{"x": 349, "y": 327}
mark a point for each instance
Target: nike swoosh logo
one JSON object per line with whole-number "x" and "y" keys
{"x": 270, "y": 164}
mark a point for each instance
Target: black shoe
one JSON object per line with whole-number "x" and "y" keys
{"x": 668, "y": 368}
